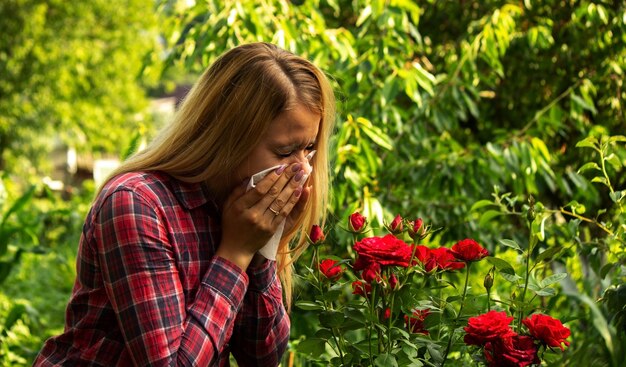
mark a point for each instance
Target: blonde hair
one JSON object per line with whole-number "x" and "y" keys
{"x": 223, "y": 117}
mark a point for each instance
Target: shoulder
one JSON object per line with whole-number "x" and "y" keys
{"x": 152, "y": 187}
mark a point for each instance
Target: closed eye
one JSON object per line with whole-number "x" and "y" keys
{"x": 288, "y": 154}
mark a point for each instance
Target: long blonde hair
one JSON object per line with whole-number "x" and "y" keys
{"x": 226, "y": 113}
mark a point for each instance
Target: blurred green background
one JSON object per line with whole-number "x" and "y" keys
{"x": 453, "y": 111}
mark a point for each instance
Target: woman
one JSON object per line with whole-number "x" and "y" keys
{"x": 168, "y": 272}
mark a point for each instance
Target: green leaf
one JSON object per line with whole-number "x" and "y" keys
{"x": 606, "y": 269}
{"x": 590, "y": 142}
{"x": 435, "y": 353}
{"x": 618, "y": 138}
{"x": 15, "y": 314}
{"x": 378, "y": 136}
{"x": 588, "y": 166}
{"x": 313, "y": 346}
{"x": 480, "y": 204}
{"x": 546, "y": 292}
{"x": 5, "y": 270}
{"x": 18, "y": 204}
{"x": 614, "y": 161}
{"x": 617, "y": 195}
{"x": 548, "y": 254}
{"x": 553, "y": 279}
{"x": 600, "y": 179}
{"x": 385, "y": 360}
{"x": 538, "y": 227}
{"x": 331, "y": 319}
{"x": 324, "y": 334}
{"x": 502, "y": 265}
{"x": 510, "y": 277}
{"x": 309, "y": 306}
{"x": 367, "y": 11}
{"x": 512, "y": 244}
{"x": 487, "y": 216}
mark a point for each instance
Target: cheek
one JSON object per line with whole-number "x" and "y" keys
{"x": 257, "y": 161}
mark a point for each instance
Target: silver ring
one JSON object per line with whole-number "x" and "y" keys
{"x": 276, "y": 212}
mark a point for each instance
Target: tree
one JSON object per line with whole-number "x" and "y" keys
{"x": 72, "y": 72}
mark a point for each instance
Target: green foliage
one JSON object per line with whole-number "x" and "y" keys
{"x": 452, "y": 111}
{"x": 465, "y": 100}
{"x": 68, "y": 70}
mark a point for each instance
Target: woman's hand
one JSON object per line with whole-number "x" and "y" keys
{"x": 250, "y": 219}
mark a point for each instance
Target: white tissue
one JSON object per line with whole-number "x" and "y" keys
{"x": 271, "y": 247}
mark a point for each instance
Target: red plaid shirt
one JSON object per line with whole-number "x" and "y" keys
{"x": 150, "y": 292}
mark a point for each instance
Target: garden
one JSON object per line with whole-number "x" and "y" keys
{"x": 478, "y": 202}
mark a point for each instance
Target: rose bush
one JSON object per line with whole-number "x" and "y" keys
{"x": 396, "y": 303}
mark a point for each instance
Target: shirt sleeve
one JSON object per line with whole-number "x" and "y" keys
{"x": 261, "y": 330}
{"x": 142, "y": 283}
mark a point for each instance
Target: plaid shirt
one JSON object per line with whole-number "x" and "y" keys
{"x": 150, "y": 292}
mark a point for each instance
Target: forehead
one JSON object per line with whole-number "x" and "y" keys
{"x": 297, "y": 125}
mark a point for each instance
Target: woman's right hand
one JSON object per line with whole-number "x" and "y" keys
{"x": 250, "y": 218}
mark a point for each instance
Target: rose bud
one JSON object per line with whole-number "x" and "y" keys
{"x": 393, "y": 281}
{"x": 387, "y": 314}
{"x": 371, "y": 273}
{"x": 361, "y": 289}
{"x": 488, "y": 282}
{"x": 396, "y": 225}
{"x": 357, "y": 222}
{"x": 416, "y": 230}
{"x": 316, "y": 236}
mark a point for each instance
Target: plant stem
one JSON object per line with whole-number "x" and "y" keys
{"x": 316, "y": 260}
{"x": 371, "y": 323}
{"x": 521, "y": 311}
{"x": 456, "y": 319}
{"x": 339, "y": 346}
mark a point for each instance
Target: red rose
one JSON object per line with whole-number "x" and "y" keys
{"x": 386, "y": 251}
{"x": 396, "y": 224}
{"x": 360, "y": 288}
{"x": 371, "y": 273}
{"x": 387, "y": 314}
{"x": 356, "y": 222}
{"x": 316, "y": 235}
{"x": 516, "y": 351}
{"x": 331, "y": 269}
{"x": 415, "y": 322}
{"x": 468, "y": 250}
{"x": 442, "y": 259}
{"x": 547, "y": 329}
{"x": 488, "y": 327}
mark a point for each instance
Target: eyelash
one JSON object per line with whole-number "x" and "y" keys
{"x": 287, "y": 155}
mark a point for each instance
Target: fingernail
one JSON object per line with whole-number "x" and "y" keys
{"x": 310, "y": 155}
{"x": 299, "y": 176}
{"x": 297, "y": 192}
{"x": 296, "y": 168}
{"x": 281, "y": 169}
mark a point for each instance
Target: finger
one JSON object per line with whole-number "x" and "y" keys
{"x": 254, "y": 194}
{"x": 275, "y": 197}
{"x": 295, "y": 203}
